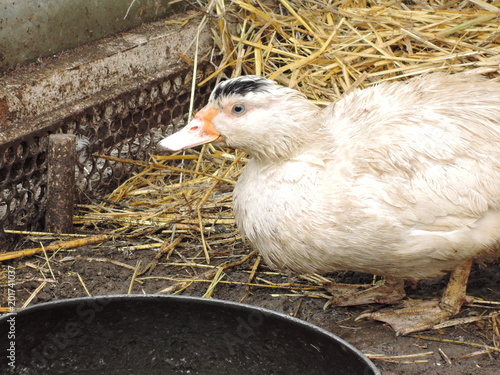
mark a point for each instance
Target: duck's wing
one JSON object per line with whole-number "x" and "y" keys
{"x": 430, "y": 147}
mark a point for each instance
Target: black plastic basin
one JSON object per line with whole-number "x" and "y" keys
{"x": 146, "y": 334}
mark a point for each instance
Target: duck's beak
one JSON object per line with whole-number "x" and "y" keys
{"x": 199, "y": 131}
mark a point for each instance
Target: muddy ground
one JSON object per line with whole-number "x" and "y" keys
{"x": 108, "y": 268}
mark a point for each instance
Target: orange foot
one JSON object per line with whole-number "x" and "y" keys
{"x": 386, "y": 291}
{"x": 423, "y": 315}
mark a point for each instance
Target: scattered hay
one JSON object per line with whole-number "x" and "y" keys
{"x": 325, "y": 48}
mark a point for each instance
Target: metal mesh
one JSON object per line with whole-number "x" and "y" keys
{"x": 127, "y": 126}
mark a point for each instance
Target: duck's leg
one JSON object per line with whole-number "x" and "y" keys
{"x": 425, "y": 315}
{"x": 386, "y": 291}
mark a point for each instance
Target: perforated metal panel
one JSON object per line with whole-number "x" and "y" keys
{"x": 126, "y": 126}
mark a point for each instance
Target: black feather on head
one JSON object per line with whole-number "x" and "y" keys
{"x": 240, "y": 86}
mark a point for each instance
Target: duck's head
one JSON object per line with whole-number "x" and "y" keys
{"x": 253, "y": 114}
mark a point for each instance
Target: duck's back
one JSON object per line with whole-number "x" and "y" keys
{"x": 437, "y": 136}
{"x": 434, "y": 117}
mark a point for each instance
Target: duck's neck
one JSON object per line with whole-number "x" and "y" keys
{"x": 298, "y": 131}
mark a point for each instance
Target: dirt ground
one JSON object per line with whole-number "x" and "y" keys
{"x": 108, "y": 268}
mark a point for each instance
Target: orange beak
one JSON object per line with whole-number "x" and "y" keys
{"x": 199, "y": 131}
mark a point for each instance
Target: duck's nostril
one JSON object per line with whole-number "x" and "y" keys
{"x": 193, "y": 129}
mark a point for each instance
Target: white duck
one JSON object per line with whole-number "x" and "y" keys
{"x": 400, "y": 180}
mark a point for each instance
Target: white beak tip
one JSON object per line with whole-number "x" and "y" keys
{"x": 168, "y": 145}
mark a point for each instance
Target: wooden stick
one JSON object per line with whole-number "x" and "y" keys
{"x": 61, "y": 245}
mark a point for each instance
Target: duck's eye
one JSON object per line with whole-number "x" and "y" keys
{"x": 238, "y": 109}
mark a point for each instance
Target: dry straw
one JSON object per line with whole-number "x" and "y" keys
{"x": 324, "y": 48}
